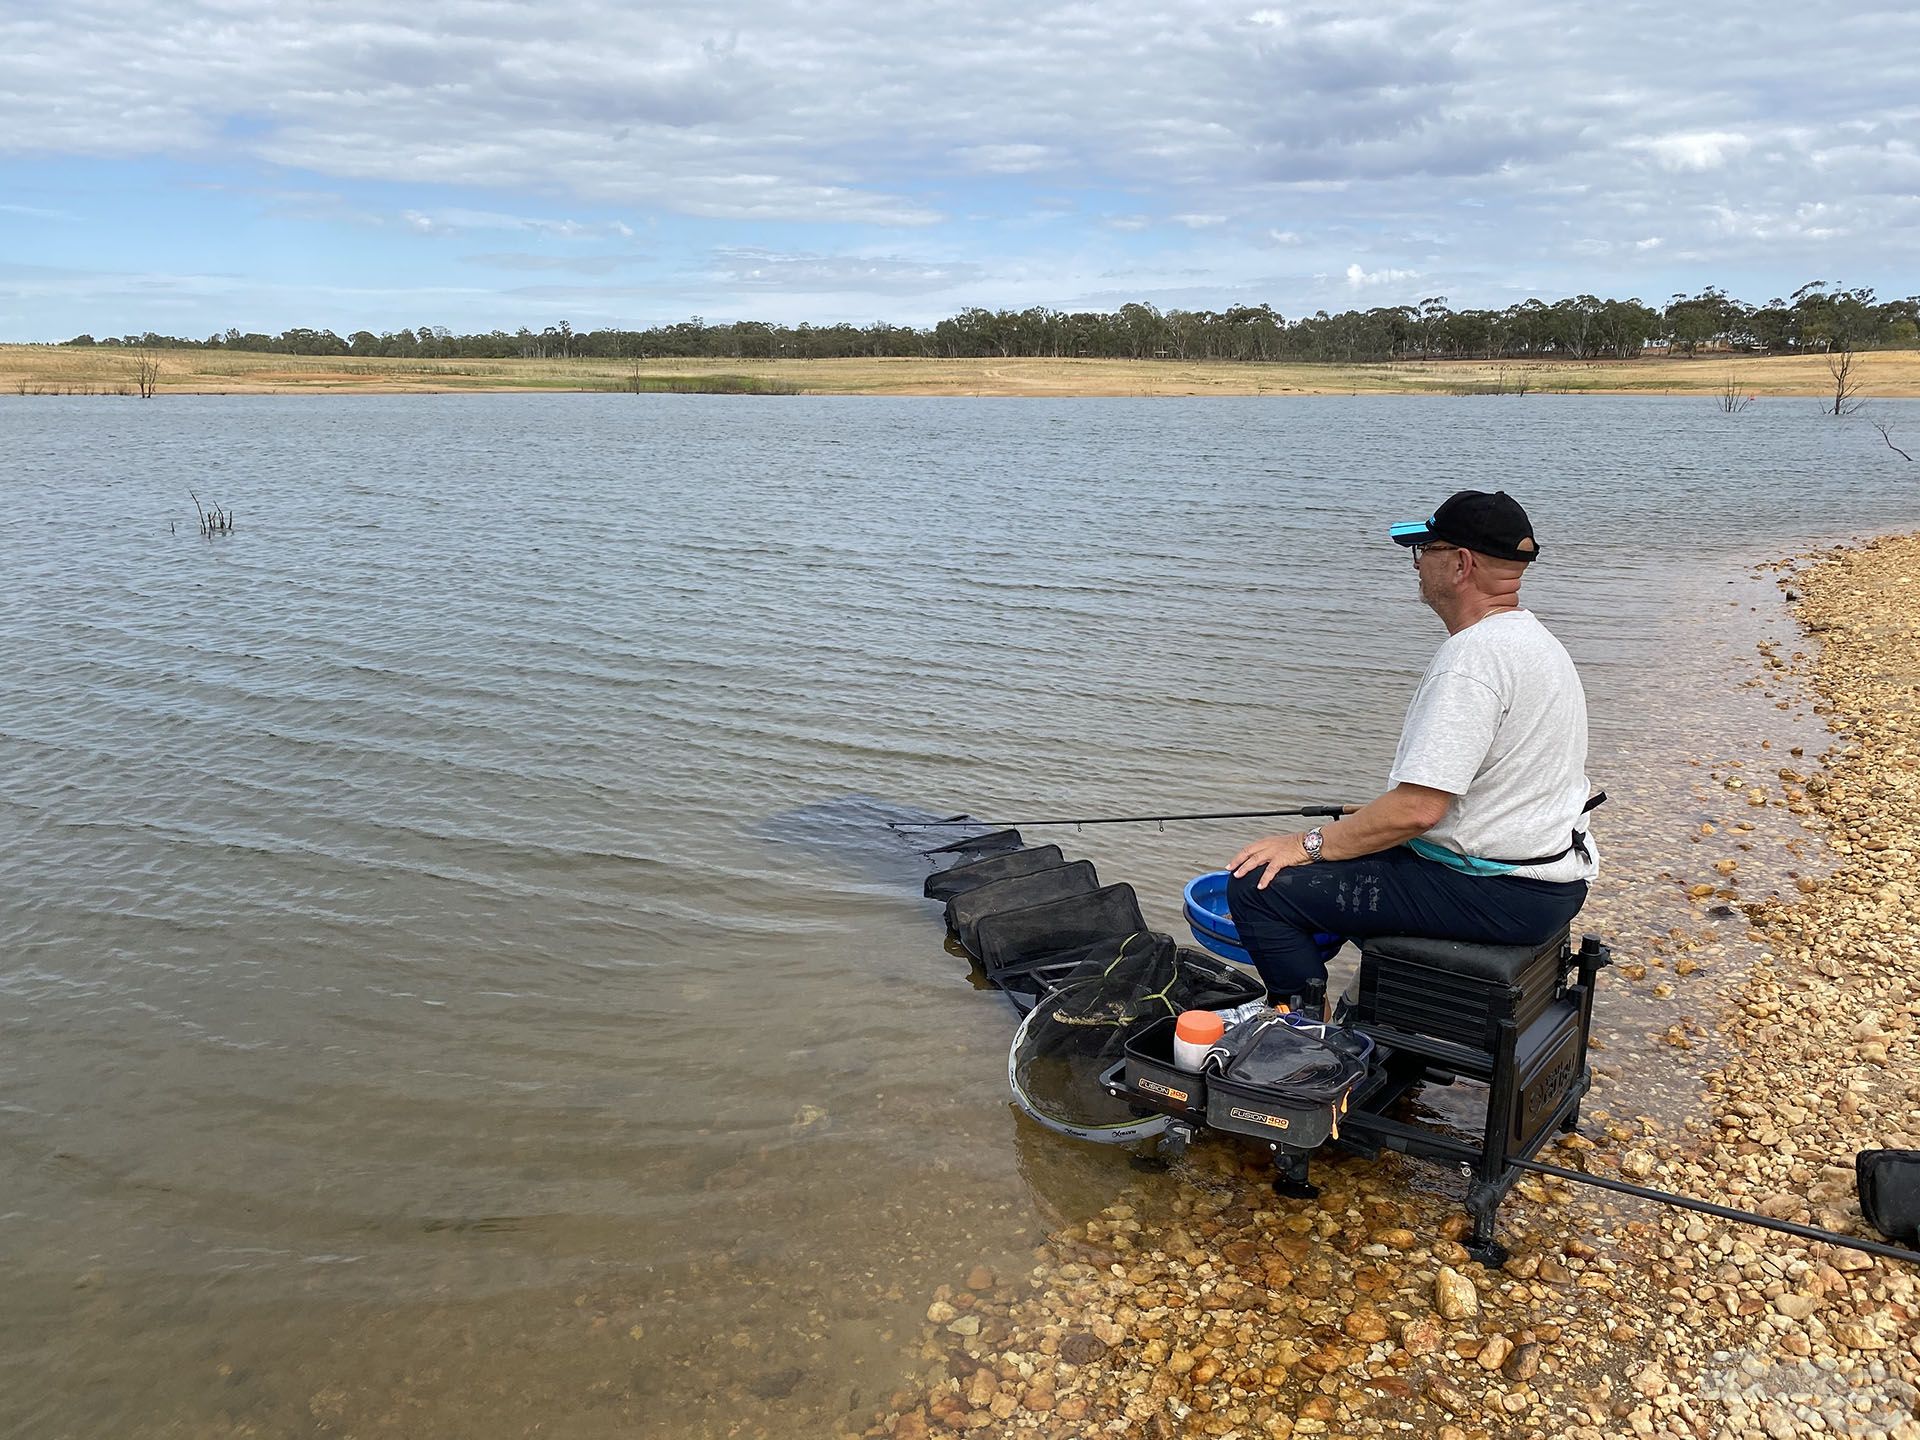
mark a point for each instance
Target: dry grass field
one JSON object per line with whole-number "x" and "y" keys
{"x": 58, "y": 370}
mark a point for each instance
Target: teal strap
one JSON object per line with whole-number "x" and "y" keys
{"x": 1465, "y": 864}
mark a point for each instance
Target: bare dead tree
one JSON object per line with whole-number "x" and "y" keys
{"x": 1886, "y": 434}
{"x": 1846, "y": 384}
{"x": 1732, "y": 400}
{"x": 146, "y": 372}
{"x": 214, "y": 521}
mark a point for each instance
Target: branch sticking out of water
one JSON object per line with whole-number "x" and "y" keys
{"x": 1886, "y": 434}
{"x": 215, "y": 521}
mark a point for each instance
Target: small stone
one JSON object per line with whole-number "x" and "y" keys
{"x": 940, "y": 1312}
{"x": 1454, "y": 1402}
{"x": 979, "y": 1279}
{"x": 1856, "y": 1336}
{"x": 1524, "y": 1363}
{"x": 1494, "y": 1352}
{"x": 1081, "y": 1348}
{"x": 1038, "y": 1400}
{"x": 1636, "y": 1163}
{"x": 1366, "y": 1326}
{"x": 1795, "y": 1307}
{"x": 1522, "y": 1267}
{"x": 1071, "y": 1407}
{"x": 1420, "y": 1337}
{"x": 1454, "y": 1296}
{"x": 965, "y": 1325}
{"x": 982, "y": 1388}
{"x": 777, "y": 1384}
{"x": 910, "y": 1426}
{"x": 1651, "y": 1380}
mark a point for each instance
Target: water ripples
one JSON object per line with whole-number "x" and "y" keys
{"x": 408, "y": 870}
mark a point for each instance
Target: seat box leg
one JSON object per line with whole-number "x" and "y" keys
{"x": 1290, "y": 1174}
{"x": 1483, "y": 1204}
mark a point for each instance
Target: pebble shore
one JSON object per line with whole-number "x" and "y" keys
{"x": 1200, "y": 1304}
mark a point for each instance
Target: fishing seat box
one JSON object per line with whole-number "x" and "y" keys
{"x": 1516, "y": 1017}
{"x": 1456, "y": 993}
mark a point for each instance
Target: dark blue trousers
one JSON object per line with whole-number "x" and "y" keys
{"x": 1393, "y": 892}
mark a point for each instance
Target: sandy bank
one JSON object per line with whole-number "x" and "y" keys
{"x": 59, "y": 370}
{"x": 1202, "y": 1305}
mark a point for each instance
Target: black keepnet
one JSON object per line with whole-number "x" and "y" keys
{"x": 966, "y": 912}
{"x": 943, "y": 885}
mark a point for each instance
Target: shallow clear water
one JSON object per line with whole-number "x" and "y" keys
{"x": 419, "y": 1007}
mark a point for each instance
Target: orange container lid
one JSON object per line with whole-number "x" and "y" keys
{"x": 1199, "y": 1027}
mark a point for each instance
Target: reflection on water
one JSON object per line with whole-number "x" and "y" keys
{"x": 415, "y": 1015}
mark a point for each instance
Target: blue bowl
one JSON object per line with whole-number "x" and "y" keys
{"x": 1212, "y": 925}
{"x": 1207, "y": 917}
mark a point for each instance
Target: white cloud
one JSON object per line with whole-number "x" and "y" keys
{"x": 1004, "y": 159}
{"x": 1699, "y": 150}
{"x": 1361, "y": 279}
{"x": 36, "y": 212}
{"x": 573, "y": 264}
{"x": 833, "y": 274}
{"x": 1556, "y": 133}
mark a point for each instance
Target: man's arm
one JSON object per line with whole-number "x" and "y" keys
{"x": 1403, "y": 812}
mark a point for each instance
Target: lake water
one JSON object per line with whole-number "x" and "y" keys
{"x": 421, "y": 1011}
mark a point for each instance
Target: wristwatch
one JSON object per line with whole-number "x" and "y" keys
{"x": 1311, "y": 843}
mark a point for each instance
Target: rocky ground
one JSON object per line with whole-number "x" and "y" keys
{"x": 1202, "y": 1304}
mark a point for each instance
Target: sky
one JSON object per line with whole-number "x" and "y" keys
{"x": 477, "y": 164}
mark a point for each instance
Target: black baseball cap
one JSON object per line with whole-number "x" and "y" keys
{"x": 1474, "y": 520}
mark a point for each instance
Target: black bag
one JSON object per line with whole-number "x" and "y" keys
{"x": 1889, "y": 1183}
{"x": 1285, "y": 1080}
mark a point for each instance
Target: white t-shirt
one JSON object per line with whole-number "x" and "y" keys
{"x": 1500, "y": 723}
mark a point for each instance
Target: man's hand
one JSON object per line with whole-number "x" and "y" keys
{"x": 1276, "y": 852}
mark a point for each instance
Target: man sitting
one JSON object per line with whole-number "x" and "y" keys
{"x": 1483, "y": 836}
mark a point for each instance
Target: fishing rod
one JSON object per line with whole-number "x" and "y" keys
{"x": 1722, "y": 1212}
{"x": 1326, "y": 812}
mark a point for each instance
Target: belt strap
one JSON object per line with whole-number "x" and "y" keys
{"x": 1579, "y": 844}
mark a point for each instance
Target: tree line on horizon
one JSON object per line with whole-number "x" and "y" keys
{"x": 1819, "y": 317}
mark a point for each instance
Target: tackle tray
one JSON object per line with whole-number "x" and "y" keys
{"x": 1151, "y": 1079}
